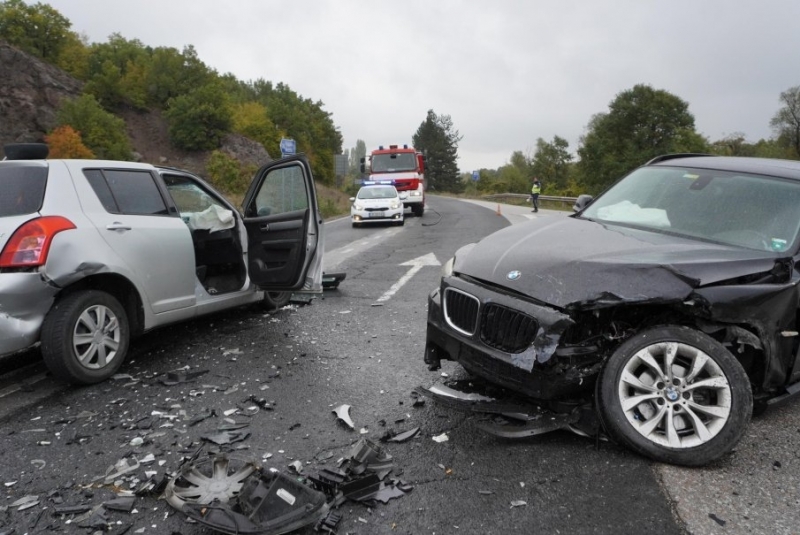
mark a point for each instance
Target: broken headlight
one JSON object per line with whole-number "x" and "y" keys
{"x": 447, "y": 268}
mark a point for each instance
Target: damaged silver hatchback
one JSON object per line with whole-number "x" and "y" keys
{"x": 668, "y": 304}
{"x": 94, "y": 252}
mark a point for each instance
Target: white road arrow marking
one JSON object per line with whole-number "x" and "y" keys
{"x": 416, "y": 264}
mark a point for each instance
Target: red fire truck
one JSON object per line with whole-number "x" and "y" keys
{"x": 404, "y": 168}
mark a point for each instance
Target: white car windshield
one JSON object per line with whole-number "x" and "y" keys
{"x": 753, "y": 211}
{"x": 377, "y": 192}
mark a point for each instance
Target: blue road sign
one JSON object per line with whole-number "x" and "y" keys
{"x": 475, "y": 175}
{"x": 288, "y": 146}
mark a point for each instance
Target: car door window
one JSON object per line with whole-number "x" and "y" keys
{"x": 283, "y": 190}
{"x": 188, "y": 196}
{"x": 127, "y": 191}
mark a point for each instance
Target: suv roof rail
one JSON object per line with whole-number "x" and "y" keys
{"x": 666, "y": 157}
{"x": 26, "y": 151}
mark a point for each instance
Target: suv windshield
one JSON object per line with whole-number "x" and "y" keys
{"x": 392, "y": 163}
{"x": 21, "y": 188}
{"x": 752, "y": 211}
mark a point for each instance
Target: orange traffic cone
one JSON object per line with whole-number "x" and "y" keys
{"x": 498, "y": 210}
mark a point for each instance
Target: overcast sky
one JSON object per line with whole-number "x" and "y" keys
{"x": 507, "y": 72}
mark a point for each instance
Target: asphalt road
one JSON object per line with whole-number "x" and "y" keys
{"x": 362, "y": 345}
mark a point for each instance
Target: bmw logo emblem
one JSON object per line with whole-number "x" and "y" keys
{"x": 513, "y": 275}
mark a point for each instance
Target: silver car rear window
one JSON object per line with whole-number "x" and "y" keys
{"x": 21, "y": 189}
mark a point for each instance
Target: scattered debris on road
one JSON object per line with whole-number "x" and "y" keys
{"x": 342, "y": 412}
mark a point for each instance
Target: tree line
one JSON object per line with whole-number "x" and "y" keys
{"x": 200, "y": 105}
{"x": 640, "y": 124}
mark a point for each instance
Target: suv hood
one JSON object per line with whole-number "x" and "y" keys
{"x": 569, "y": 262}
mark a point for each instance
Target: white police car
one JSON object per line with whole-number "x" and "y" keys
{"x": 376, "y": 203}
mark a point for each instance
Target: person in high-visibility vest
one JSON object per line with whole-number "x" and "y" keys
{"x": 536, "y": 189}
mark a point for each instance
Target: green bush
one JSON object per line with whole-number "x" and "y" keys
{"x": 101, "y": 131}
{"x": 199, "y": 120}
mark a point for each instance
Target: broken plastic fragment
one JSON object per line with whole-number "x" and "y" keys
{"x": 39, "y": 463}
{"x": 343, "y": 413}
{"x": 214, "y": 478}
{"x": 402, "y": 437}
{"x": 226, "y": 437}
{"x": 446, "y": 391}
{"x": 328, "y": 523}
{"x": 124, "y": 504}
{"x": 297, "y": 466}
{"x": 71, "y": 509}
{"x": 97, "y": 520}
{"x": 121, "y": 468}
{"x": 262, "y": 502}
{"x": 518, "y": 503}
{"x": 25, "y": 502}
{"x": 441, "y": 438}
{"x": 180, "y": 377}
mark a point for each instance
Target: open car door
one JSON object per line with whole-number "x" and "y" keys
{"x": 284, "y": 227}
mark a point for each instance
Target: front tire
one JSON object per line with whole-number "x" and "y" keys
{"x": 276, "y": 300}
{"x": 418, "y": 210}
{"x": 85, "y": 337}
{"x": 675, "y": 395}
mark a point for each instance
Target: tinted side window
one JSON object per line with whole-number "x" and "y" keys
{"x": 21, "y": 189}
{"x": 98, "y": 183}
{"x": 127, "y": 191}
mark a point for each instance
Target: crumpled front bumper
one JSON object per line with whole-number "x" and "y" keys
{"x": 25, "y": 299}
{"x": 537, "y": 371}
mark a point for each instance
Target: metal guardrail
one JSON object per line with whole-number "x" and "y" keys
{"x": 498, "y": 196}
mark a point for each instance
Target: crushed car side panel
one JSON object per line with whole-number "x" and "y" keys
{"x": 769, "y": 311}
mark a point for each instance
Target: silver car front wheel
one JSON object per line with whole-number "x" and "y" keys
{"x": 675, "y": 395}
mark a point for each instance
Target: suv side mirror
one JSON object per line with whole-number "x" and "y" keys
{"x": 582, "y": 202}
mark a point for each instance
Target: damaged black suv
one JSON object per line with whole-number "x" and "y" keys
{"x": 668, "y": 304}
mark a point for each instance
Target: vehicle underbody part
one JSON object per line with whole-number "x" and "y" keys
{"x": 508, "y": 415}
{"x": 234, "y": 496}
{"x": 330, "y": 281}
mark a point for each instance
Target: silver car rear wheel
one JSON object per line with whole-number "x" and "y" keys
{"x": 96, "y": 337}
{"x": 85, "y": 337}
